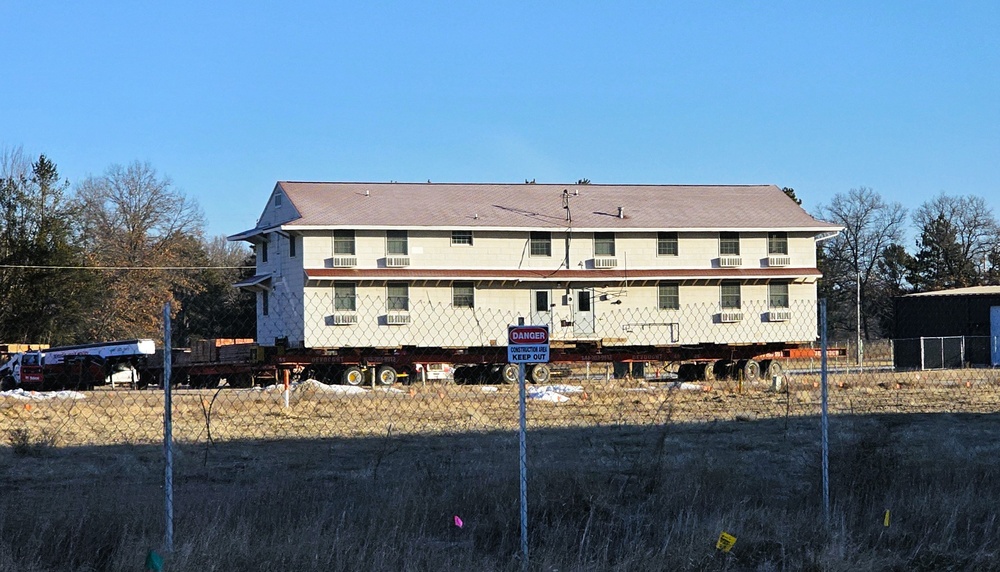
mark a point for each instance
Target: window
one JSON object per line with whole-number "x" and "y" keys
{"x": 542, "y": 301}
{"x": 395, "y": 242}
{"x": 463, "y": 295}
{"x": 670, "y": 297}
{"x": 541, "y": 244}
{"x": 343, "y": 242}
{"x": 264, "y": 303}
{"x": 777, "y": 243}
{"x": 463, "y": 237}
{"x": 583, "y": 301}
{"x": 729, "y": 244}
{"x": 730, "y": 295}
{"x": 291, "y": 246}
{"x": 604, "y": 244}
{"x": 263, "y": 251}
{"x": 777, "y": 295}
{"x": 277, "y": 200}
{"x": 666, "y": 244}
{"x": 344, "y": 297}
{"x": 398, "y": 296}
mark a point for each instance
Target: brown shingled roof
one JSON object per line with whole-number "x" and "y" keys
{"x": 454, "y": 205}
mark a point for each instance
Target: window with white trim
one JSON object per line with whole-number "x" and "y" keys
{"x": 343, "y": 242}
{"x": 463, "y": 295}
{"x": 729, "y": 244}
{"x": 397, "y": 297}
{"x": 730, "y": 295}
{"x": 396, "y": 243}
{"x": 541, "y": 244}
{"x": 461, "y": 238}
{"x": 777, "y": 295}
{"x": 669, "y": 296}
{"x": 777, "y": 243}
{"x": 666, "y": 244}
{"x": 604, "y": 244}
{"x": 345, "y": 296}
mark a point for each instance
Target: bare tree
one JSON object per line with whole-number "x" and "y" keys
{"x": 958, "y": 236}
{"x": 136, "y": 221}
{"x": 870, "y": 226}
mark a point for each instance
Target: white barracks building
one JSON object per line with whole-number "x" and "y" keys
{"x": 450, "y": 265}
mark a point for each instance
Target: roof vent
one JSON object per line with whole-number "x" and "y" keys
{"x": 367, "y": 193}
{"x": 621, "y": 212}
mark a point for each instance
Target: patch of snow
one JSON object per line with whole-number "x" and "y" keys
{"x": 23, "y": 395}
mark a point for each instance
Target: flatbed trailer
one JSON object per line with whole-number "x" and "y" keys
{"x": 242, "y": 363}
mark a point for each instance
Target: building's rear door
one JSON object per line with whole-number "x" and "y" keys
{"x": 583, "y": 312}
{"x": 995, "y": 335}
{"x": 541, "y": 307}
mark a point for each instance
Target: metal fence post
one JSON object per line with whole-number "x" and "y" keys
{"x": 168, "y": 451}
{"x": 824, "y": 419}
{"x": 523, "y": 455}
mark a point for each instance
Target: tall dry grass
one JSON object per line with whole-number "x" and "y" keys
{"x": 610, "y": 498}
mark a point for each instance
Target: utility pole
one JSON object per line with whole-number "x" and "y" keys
{"x": 860, "y": 350}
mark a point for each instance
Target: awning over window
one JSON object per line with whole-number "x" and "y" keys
{"x": 257, "y": 283}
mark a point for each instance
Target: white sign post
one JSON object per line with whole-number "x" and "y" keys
{"x": 525, "y": 344}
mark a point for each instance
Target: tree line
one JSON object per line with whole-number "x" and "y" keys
{"x": 98, "y": 261}
{"x": 957, "y": 245}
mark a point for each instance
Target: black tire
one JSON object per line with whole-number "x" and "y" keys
{"x": 352, "y": 376}
{"x": 724, "y": 369}
{"x": 386, "y": 375}
{"x": 687, "y": 372}
{"x": 8, "y": 383}
{"x": 540, "y": 373}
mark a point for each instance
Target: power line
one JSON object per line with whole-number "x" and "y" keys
{"x": 33, "y": 267}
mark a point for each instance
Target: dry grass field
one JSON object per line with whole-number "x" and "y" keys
{"x": 625, "y": 475}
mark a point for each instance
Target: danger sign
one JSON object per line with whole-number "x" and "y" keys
{"x": 528, "y": 344}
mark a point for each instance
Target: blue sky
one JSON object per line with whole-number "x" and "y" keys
{"x": 228, "y": 97}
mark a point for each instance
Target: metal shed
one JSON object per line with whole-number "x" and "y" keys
{"x": 948, "y": 329}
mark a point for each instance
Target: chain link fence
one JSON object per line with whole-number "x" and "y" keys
{"x": 385, "y": 371}
{"x": 365, "y": 377}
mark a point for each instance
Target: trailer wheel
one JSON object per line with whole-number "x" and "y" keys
{"x": 511, "y": 373}
{"x": 771, "y": 368}
{"x": 387, "y": 375}
{"x": 687, "y": 372}
{"x": 706, "y": 371}
{"x": 353, "y": 376}
{"x": 8, "y": 383}
{"x": 540, "y": 373}
{"x": 750, "y": 369}
{"x": 724, "y": 369}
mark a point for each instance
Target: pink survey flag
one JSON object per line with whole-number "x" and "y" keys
{"x": 458, "y": 522}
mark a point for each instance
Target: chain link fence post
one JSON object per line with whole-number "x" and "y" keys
{"x": 824, "y": 420}
{"x": 168, "y": 450}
